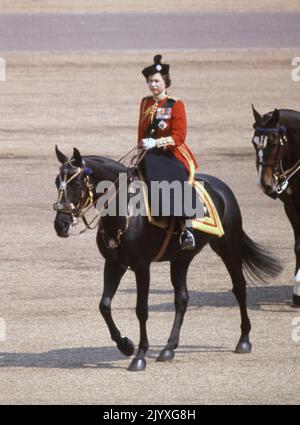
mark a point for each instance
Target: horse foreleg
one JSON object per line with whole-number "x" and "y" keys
{"x": 296, "y": 291}
{"x": 142, "y": 274}
{"x": 113, "y": 273}
{"x": 178, "y": 279}
{"x": 294, "y": 219}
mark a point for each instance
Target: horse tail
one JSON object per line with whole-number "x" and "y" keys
{"x": 258, "y": 263}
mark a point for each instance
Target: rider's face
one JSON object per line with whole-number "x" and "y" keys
{"x": 156, "y": 83}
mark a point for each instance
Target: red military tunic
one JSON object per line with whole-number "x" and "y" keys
{"x": 173, "y": 125}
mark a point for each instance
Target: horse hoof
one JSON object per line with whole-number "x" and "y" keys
{"x": 165, "y": 356}
{"x": 243, "y": 347}
{"x": 296, "y": 300}
{"x": 126, "y": 347}
{"x": 137, "y": 364}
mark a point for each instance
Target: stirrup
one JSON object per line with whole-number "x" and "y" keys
{"x": 187, "y": 239}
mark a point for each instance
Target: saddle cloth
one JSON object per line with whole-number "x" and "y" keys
{"x": 209, "y": 223}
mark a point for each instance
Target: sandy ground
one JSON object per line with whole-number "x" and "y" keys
{"x": 57, "y": 348}
{"x": 17, "y": 6}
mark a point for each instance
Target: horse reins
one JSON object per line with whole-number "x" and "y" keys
{"x": 87, "y": 200}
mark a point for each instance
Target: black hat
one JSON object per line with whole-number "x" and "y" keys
{"x": 157, "y": 66}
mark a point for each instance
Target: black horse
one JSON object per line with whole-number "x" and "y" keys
{"x": 127, "y": 241}
{"x": 277, "y": 143}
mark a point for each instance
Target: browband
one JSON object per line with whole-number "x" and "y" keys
{"x": 281, "y": 129}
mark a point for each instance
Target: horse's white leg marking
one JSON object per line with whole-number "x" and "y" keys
{"x": 297, "y": 283}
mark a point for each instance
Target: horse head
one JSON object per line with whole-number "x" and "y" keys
{"x": 74, "y": 191}
{"x": 270, "y": 143}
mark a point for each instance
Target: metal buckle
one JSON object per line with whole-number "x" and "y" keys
{"x": 57, "y": 206}
{"x": 63, "y": 185}
{"x": 67, "y": 207}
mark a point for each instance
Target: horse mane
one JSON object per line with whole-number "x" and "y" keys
{"x": 291, "y": 120}
{"x": 288, "y": 117}
{"x": 115, "y": 166}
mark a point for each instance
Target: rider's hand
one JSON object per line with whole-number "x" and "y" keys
{"x": 149, "y": 143}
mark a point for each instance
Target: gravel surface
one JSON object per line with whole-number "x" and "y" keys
{"x": 57, "y": 348}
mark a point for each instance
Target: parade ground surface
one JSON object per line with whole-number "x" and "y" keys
{"x": 55, "y": 348}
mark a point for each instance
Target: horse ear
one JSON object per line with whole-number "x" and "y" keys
{"x": 77, "y": 157}
{"x": 256, "y": 114}
{"x": 273, "y": 120}
{"x": 276, "y": 116}
{"x": 60, "y": 156}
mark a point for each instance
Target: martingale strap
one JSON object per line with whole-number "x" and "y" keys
{"x": 152, "y": 129}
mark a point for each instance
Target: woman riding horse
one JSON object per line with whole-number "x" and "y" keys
{"x": 136, "y": 243}
{"x": 162, "y": 133}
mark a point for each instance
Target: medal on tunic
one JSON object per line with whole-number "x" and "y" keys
{"x": 163, "y": 113}
{"x": 162, "y": 124}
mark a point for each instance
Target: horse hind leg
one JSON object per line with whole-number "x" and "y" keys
{"x": 233, "y": 262}
{"x": 178, "y": 279}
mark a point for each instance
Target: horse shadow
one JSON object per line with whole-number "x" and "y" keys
{"x": 261, "y": 298}
{"x": 270, "y": 298}
{"x": 88, "y": 357}
{"x": 66, "y": 358}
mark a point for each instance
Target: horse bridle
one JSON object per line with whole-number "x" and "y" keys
{"x": 63, "y": 204}
{"x": 86, "y": 201}
{"x": 261, "y": 144}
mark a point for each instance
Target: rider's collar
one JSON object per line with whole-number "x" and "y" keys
{"x": 160, "y": 96}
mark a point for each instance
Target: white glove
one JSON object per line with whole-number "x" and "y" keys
{"x": 148, "y": 143}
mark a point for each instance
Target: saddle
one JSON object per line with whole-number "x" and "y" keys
{"x": 209, "y": 223}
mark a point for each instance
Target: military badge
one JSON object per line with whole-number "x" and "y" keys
{"x": 162, "y": 124}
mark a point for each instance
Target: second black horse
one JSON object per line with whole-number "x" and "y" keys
{"x": 277, "y": 143}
